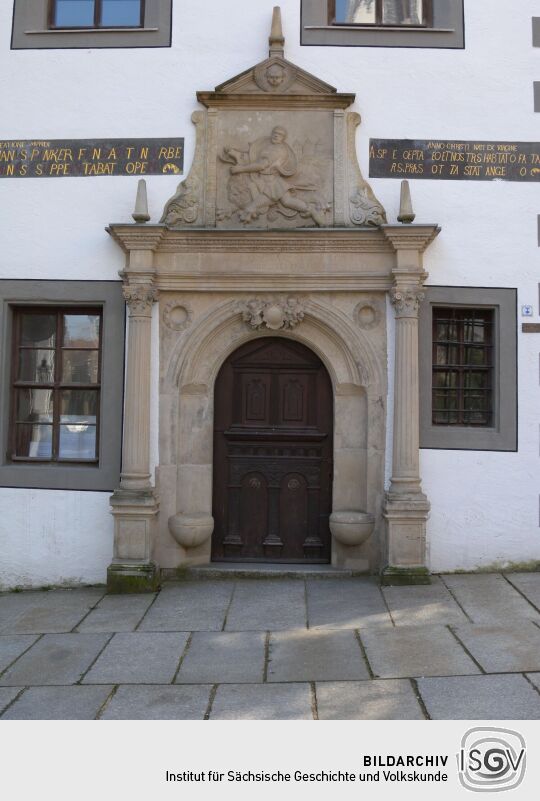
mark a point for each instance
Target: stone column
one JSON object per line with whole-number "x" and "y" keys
{"x": 134, "y": 504}
{"x": 406, "y": 508}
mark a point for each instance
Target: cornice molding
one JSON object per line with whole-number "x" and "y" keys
{"x": 136, "y": 237}
{"x": 330, "y": 101}
{"x": 410, "y": 237}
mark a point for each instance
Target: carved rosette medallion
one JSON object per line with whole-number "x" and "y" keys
{"x": 139, "y": 298}
{"x": 177, "y": 316}
{"x": 274, "y": 313}
{"x": 367, "y": 316}
{"x": 407, "y": 300}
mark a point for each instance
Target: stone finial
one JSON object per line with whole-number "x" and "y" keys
{"x": 406, "y": 213}
{"x": 276, "y": 40}
{"x": 140, "y": 214}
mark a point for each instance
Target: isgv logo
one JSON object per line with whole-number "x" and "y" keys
{"x": 491, "y": 759}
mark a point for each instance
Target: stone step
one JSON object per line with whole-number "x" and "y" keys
{"x": 252, "y": 570}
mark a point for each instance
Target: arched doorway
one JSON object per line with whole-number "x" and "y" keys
{"x": 273, "y": 445}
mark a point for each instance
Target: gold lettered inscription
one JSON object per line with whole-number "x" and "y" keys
{"x": 454, "y": 160}
{"x": 63, "y": 158}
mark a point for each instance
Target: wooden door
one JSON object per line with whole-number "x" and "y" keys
{"x": 272, "y": 455}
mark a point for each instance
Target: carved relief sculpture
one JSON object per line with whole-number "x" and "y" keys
{"x": 268, "y": 179}
{"x": 273, "y": 314}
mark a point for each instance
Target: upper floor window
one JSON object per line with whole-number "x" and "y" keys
{"x": 96, "y": 13}
{"x": 383, "y": 23}
{"x": 61, "y": 24}
{"x": 381, "y": 12}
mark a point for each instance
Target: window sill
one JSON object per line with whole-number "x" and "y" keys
{"x": 379, "y": 28}
{"x": 55, "y": 31}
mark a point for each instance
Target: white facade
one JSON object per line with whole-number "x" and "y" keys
{"x": 484, "y": 504}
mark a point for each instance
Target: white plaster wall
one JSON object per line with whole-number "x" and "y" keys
{"x": 485, "y": 505}
{"x": 49, "y": 537}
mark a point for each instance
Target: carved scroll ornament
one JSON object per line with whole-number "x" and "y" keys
{"x": 274, "y": 314}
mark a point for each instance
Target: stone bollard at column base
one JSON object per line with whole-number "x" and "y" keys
{"x": 132, "y": 568}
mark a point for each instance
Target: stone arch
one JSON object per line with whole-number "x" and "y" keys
{"x": 358, "y": 383}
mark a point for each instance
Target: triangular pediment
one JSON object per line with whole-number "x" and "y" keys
{"x": 275, "y": 75}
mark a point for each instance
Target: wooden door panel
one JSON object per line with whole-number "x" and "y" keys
{"x": 272, "y": 455}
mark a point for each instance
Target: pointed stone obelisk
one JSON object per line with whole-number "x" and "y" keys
{"x": 406, "y": 213}
{"x": 276, "y": 40}
{"x": 140, "y": 214}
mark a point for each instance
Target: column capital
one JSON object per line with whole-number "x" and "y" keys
{"x": 406, "y": 300}
{"x": 139, "y": 298}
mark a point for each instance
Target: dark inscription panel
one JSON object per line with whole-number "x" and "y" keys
{"x": 76, "y": 158}
{"x": 454, "y": 160}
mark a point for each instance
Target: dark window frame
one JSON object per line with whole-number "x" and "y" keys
{"x": 427, "y": 17}
{"x": 82, "y": 476}
{"x": 502, "y": 434}
{"x": 98, "y": 11}
{"x": 461, "y": 367}
{"x": 31, "y": 29}
{"x": 446, "y": 31}
{"x": 56, "y": 385}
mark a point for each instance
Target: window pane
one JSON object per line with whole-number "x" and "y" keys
{"x": 38, "y": 330}
{"x": 121, "y": 12}
{"x": 80, "y": 366}
{"x": 81, "y": 330}
{"x": 77, "y": 441}
{"x": 35, "y": 405}
{"x": 36, "y": 366}
{"x": 402, "y": 12}
{"x": 358, "y": 11}
{"x": 74, "y": 13}
{"x": 34, "y": 441}
{"x": 78, "y": 406}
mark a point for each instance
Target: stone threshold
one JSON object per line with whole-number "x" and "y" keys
{"x": 251, "y": 570}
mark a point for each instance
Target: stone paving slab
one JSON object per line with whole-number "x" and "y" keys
{"x": 528, "y": 584}
{"x": 7, "y": 694}
{"x": 50, "y": 612}
{"x": 13, "y": 646}
{"x": 509, "y": 697}
{"x": 58, "y": 703}
{"x": 190, "y": 606}
{"x": 393, "y": 699}
{"x": 345, "y": 604}
{"x": 138, "y": 658}
{"x": 55, "y": 659}
{"x": 503, "y": 649}
{"x": 267, "y": 605}
{"x": 412, "y": 651}
{"x": 223, "y": 657}
{"x": 423, "y": 605}
{"x": 158, "y": 703}
{"x": 489, "y": 598}
{"x": 116, "y": 613}
{"x": 535, "y": 678}
{"x": 315, "y": 656}
{"x": 262, "y": 702}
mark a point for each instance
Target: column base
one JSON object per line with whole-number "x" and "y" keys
{"x": 405, "y": 516}
{"x": 132, "y": 568}
{"x": 404, "y": 576}
{"x": 125, "y": 578}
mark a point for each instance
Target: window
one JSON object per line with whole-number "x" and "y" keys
{"x": 91, "y": 23}
{"x": 96, "y": 14}
{"x": 462, "y": 367}
{"x": 61, "y": 384}
{"x": 381, "y": 12}
{"x": 383, "y": 23}
{"x": 56, "y": 384}
{"x": 468, "y": 369}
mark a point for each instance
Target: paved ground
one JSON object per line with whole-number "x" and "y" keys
{"x": 466, "y": 647}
